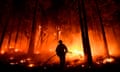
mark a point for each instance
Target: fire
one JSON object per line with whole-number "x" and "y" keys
{"x": 11, "y": 58}
{"x": 76, "y": 52}
{"x": 16, "y": 50}
{"x": 12, "y": 63}
{"x": 28, "y": 59}
{"x": 45, "y": 45}
{"x": 110, "y": 60}
{"x": 31, "y": 65}
{"x": 22, "y": 61}
{"x": 2, "y": 52}
{"x": 37, "y": 52}
{"x": 82, "y": 65}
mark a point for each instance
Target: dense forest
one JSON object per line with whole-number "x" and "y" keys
{"x": 35, "y": 26}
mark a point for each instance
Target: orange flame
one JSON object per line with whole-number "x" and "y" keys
{"x": 31, "y": 65}
{"x": 72, "y": 39}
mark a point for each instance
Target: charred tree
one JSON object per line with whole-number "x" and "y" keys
{"x": 84, "y": 29}
{"x": 102, "y": 27}
{"x": 10, "y": 31}
{"x": 43, "y": 15}
{"x": 8, "y": 14}
{"x": 18, "y": 30}
{"x": 8, "y": 45}
{"x": 32, "y": 38}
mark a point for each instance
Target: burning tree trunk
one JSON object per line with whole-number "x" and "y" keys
{"x": 32, "y": 38}
{"x": 102, "y": 27}
{"x": 84, "y": 29}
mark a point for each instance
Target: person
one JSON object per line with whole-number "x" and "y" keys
{"x": 61, "y": 51}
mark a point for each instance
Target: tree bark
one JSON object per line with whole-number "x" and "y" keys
{"x": 84, "y": 29}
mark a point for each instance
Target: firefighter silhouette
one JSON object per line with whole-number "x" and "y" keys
{"x": 61, "y": 51}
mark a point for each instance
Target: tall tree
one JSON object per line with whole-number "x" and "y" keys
{"x": 17, "y": 31}
{"x": 8, "y": 14}
{"x": 102, "y": 27}
{"x": 84, "y": 29}
{"x": 32, "y": 38}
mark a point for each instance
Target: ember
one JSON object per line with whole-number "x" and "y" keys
{"x": 11, "y": 58}
{"x": 108, "y": 60}
{"x": 31, "y": 65}
{"x": 22, "y": 61}
{"x": 2, "y": 52}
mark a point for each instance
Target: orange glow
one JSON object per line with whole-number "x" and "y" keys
{"x": 22, "y": 61}
{"x": 11, "y": 58}
{"x": 37, "y": 52}
{"x": 2, "y": 52}
{"x": 76, "y": 52}
{"x": 12, "y": 63}
{"x": 45, "y": 44}
{"x": 16, "y": 50}
{"x": 108, "y": 60}
{"x": 31, "y": 65}
{"x": 42, "y": 30}
{"x": 10, "y": 47}
{"x": 28, "y": 59}
{"x": 82, "y": 65}
{"x": 73, "y": 42}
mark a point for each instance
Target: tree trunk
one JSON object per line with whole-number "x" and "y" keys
{"x": 84, "y": 29}
{"x": 18, "y": 29}
{"x": 32, "y": 38}
{"x": 102, "y": 28}
{"x": 6, "y": 23}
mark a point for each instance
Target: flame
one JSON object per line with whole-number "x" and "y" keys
{"x": 82, "y": 65}
{"x": 74, "y": 46}
{"x": 12, "y": 63}
{"x": 2, "y": 52}
{"x": 16, "y": 50}
{"x": 31, "y": 65}
{"x": 37, "y": 52}
{"x": 71, "y": 38}
{"x": 11, "y": 58}
{"x": 22, "y": 61}
{"x": 110, "y": 60}
{"x": 28, "y": 59}
{"x": 76, "y": 52}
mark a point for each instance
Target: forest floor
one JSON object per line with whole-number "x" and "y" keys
{"x": 108, "y": 67}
